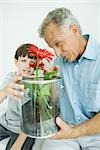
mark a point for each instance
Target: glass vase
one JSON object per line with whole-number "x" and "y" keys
{"x": 39, "y": 107}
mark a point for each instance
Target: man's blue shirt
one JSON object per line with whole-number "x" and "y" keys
{"x": 80, "y": 85}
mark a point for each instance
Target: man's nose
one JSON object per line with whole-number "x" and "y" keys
{"x": 57, "y": 51}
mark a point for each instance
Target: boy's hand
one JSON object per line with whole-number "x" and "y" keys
{"x": 14, "y": 89}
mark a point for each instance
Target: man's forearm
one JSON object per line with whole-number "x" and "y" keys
{"x": 90, "y": 127}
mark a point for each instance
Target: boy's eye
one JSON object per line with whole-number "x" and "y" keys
{"x": 32, "y": 62}
{"x": 23, "y": 60}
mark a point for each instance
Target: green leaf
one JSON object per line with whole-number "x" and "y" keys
{"x": 45, "y": 90}
{"x": 50, "y": 75}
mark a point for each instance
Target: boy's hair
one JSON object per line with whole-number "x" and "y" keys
{"x": 23, "y": 51}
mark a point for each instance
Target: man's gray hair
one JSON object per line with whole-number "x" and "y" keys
{"x": 59, "y": 16}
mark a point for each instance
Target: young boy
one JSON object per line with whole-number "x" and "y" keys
{"x": 12, "y": 90}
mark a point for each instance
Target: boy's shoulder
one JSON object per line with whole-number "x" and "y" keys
{"x": 10, "y": 75}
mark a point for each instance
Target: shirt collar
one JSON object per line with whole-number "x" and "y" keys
{"x": 90, "y": 51}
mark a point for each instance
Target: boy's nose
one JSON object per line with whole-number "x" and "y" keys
{"x": 28, "y": 65}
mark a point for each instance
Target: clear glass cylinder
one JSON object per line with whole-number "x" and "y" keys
{"x": 39, "y": 107}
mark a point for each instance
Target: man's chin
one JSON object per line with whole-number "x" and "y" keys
{"x": 70, "y": 60}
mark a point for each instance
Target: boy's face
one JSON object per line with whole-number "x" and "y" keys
{"x": 23, "y": 65}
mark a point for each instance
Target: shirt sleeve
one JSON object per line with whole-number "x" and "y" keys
{"x": 9, "y": 77}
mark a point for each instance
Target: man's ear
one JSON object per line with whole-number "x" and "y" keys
{"x": 74, "y": 28}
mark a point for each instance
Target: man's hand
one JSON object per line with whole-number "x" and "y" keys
{"x": 14, "y": 89}
{"x": 66, "y": 131}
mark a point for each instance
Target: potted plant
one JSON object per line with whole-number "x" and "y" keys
{"x": 39, "y": 106}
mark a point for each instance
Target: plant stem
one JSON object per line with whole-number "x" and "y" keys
{"x": 37, "y": 76}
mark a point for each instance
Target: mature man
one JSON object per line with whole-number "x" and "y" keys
{"x": 78, "y": 57}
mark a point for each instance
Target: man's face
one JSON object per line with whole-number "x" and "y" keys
{"x": 65, "y": 41}
{"x": 23, "y": 65}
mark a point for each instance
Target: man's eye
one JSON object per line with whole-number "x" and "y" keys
{"x": 58, "y": 44}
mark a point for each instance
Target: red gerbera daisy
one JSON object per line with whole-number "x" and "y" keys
{"x": 39, "y": 54}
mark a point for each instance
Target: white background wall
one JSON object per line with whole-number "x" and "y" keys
{"x": 19, "y": 21}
